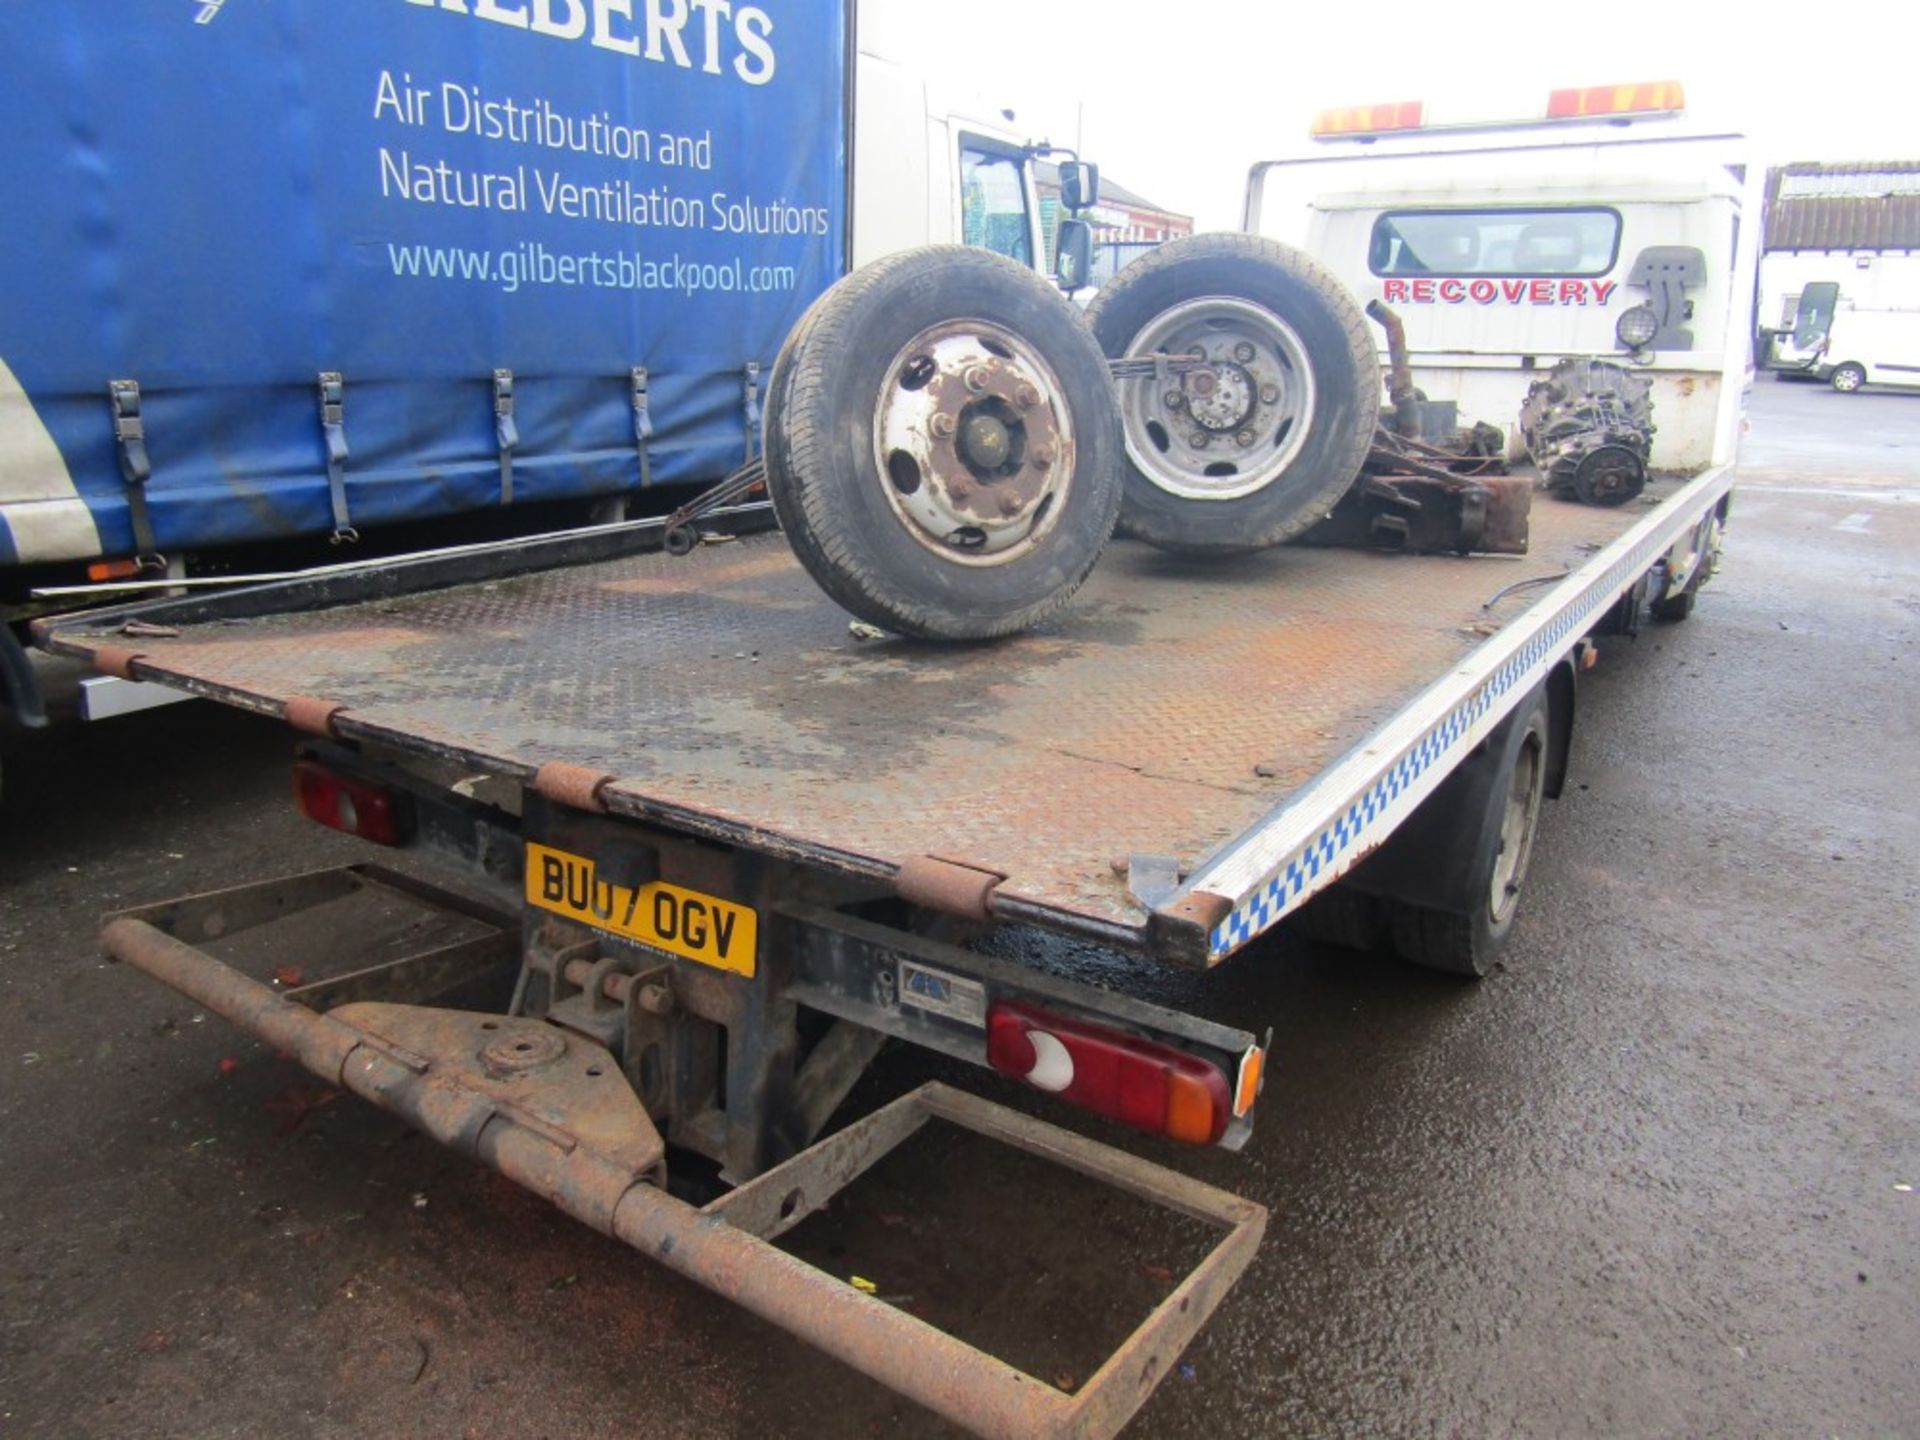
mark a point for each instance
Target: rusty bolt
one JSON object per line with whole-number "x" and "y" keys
{"x": 1269, "y": 394}
{"x": 1026, "y": 397}
{"x": 977, "y": 377}
{"x": 656, "y": 1000}
{"x": 1174, "y": 399}
{"x": 1243, "y": 352}
{"x": 958, "y": 489}
{"x": 1199, "y": 439}
{"x": 1043, "y": 455}
{"x": 1009, "y": 504}
{"x": 943, "y": 424}
{"x": 1244, "y": 438}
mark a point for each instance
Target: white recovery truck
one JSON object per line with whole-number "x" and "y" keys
{"x": 722, "y": 845}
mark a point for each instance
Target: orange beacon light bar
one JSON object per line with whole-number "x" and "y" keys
{"x": 1592, "y": 102}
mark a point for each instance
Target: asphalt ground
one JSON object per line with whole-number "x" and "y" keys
{"x": 1656, "y": 1176}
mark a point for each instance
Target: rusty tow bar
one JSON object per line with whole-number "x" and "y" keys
{"x": 550, "y": 1110}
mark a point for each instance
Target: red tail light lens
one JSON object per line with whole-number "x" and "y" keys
{"x": 356, "y": 807}
{"x": 1149, "y": 1086}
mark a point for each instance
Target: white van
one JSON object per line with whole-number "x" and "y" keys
{"x": 1871, "y": 347}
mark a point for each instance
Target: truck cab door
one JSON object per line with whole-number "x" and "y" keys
{"x": 995, "y": 206}
{"x": 1813, "y": 317}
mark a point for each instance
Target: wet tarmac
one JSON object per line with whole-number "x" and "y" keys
{"x": 1660, "y": 1175}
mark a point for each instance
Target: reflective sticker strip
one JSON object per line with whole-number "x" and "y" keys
{"x": 1309, "y": 843}
{"x": 39, "y": 505}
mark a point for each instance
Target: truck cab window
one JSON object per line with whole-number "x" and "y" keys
{"x": 1495, "y": 242}
{"x": 993, "y": 203}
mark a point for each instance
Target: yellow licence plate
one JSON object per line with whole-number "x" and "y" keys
{"x": 667, "y": 917}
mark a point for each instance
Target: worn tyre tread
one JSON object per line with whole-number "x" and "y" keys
{"x": 1343, "y": 465}
{"x": 819, "y": 342}
{"x": 1437, "y": 940}
{"x": 1343, "y": 919}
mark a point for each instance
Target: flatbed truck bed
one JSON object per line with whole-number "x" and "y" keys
{"x": 1257, "y": 725}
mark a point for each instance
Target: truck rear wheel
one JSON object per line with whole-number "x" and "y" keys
{"x": 1467, "y": 944}
{"x": 1255, "y": 446}
{"x": 1701, "y": 561}
{"x": 942, "y": 449}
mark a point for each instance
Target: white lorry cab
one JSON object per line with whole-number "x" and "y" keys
{"x": 1616, "y": 236}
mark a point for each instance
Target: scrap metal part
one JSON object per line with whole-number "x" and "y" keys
{"x": 1428, "y": 486}
{"x": 1428, "y": 514}
{"x": 1589, "y": 426}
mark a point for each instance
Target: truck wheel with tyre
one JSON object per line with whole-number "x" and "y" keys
{"x": 1256, "y": 444}
{"x": 942, "y": 449}
{"x": 1700, "y": 559}
{"x": 1467, "y": 943}
{"x": 1443, "y": 891}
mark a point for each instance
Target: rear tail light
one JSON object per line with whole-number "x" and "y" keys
{"x": 357, "y": 807}
{"x": 1149, "y": 1086}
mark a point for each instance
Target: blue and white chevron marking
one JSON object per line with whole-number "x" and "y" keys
{"x": 1409, "y": 778}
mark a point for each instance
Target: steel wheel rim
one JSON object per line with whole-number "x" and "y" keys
{"x": 1848, "y": 379}
{"x": 1237, "y": 430}
{"x": 1518, "y": 819}
{"x": 973, "y": 442}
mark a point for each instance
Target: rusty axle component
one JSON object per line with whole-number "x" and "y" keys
{"x": 1400, "y": 388}
{"x": 550, "y": 1110}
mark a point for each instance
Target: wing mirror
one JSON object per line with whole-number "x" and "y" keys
{"x": 1079, "y": 184}
{"x": 1073, "y": 254}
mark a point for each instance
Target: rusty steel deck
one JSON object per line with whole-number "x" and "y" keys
{"x": 1172, "y": 706}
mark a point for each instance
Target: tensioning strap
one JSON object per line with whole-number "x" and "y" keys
{"x": 333, "y": 428}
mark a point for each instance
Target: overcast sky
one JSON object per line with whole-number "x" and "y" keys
{"x": 1180, "y": 96}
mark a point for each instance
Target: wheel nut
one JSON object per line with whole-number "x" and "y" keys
{"x": 1243, "y": 352}
{"x": 1009, "y": 504}
{"x": 1199, "y": 439}
{"x": 959, "y": 489}
{"x": 1244, "y": 438}
{"x": 1269, "y": 394}
{"x": 977, "y": 378}
{"x": 1043, "y": 455}
{"x": 1026, "y": 397}
{"x": 943, "y": 424}
{"x": 1174, "y": 399}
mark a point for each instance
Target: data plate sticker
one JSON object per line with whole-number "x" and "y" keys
{"x": 940, "y": 993}
{"x": 666, "y": 917}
